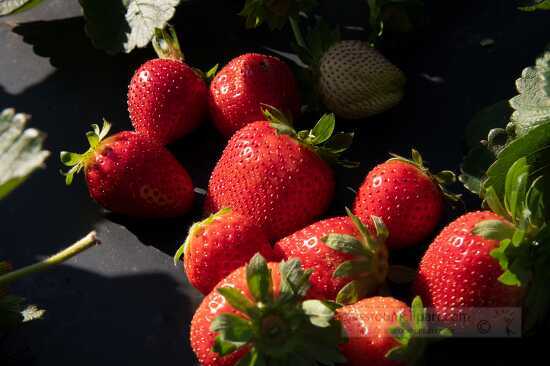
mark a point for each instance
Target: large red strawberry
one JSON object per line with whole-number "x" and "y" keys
{"x": 406, "y": 197}
{"x": 130, "y": 174}
{"x": 257, "y": 314}
{"x": 167, "y": 98}
{"x": 348, "y": 262}
{"x": 458, "y": 271}
{"x": 244, "y": 84}
{"x": 383, "y": 331}
{"x": 492, "y": 259}
{"x": 276, "y": 175}
{"x": 218, "y": 245}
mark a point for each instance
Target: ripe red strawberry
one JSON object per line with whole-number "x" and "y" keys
{"x": 218, "y": 245}
{"x": 458, "y": 271}
{"x": 406, "y": 197}
{"x": 356, "y": 81}
{"x": 275, "y": 175}
{"x": 244, "y": 84}
{"x": 129, "y": 174}
{"x": 257, "y": 313}
{"x": 383, "y": 331}
{"x": 167, "y": 98}
{"x": 348, "y": 262}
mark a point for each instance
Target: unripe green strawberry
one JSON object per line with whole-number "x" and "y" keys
{"x": 357, "y": 81}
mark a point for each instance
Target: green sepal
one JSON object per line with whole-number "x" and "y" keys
{"x": 236, "y": 299}
{"x": 278, "y": 117}
{"x": 494, "y": 230}
{"x": 223, "y": 348}
{"x": 352, "y": 292}
{"x": 209, "y": 75}
{"x": 166, "y": 44}
{"x": 491, "y": 199}
{"x": 258, "y": 278}
{"x": 322, "y": 131}
{"x": 233, "y": 329}
{"x": 194, "y": 229}
{"x": 410, "y": 333}
{"x": 294, "y": 281}
{"x": 78, "y": 161}
{"x": 345, "y": 243}
{"x": 353, "y": 268}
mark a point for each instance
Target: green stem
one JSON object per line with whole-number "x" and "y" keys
{"x": 297, "y": 32}
{"x": 67, "y": 253}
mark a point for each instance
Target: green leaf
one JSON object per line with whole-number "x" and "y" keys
{"x": 418, "y": 314}
{"x": 339, "y": 142}
{"x": 535, "y": 202}
{"x": 510, "y": 279}
{"x": 532, "y": 105}
{"x": 494, "y": 229}
{"x": 236, "y": 299}
{"x": 499, "y": 253}
{"x": 353, "y": 268}
{"x": 16, "y": 6}
{"x": 232, "y": 329}
{"x": 277, "y": 116}
{"x": 21, "y": 150}
{"x": 258, "y": 277}
{"x": 212, "y": 72}
{"x": 361, "y": 228}
{"x": 69, "y": 158}
{"x": 536, "y": 5}
{"x": 534, "y": 146}
{"x": 319, "y": 314}
{"x": 345, "y": 244}
{"x": 323, "y": 129}
{"x": 122, "y": 25}
{"x": 494, "y": 203}
{"x": 515, "y": 187}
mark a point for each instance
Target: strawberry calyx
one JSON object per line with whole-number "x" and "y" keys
{"x": 525, "y": 228}
{"x": 279, "y": 328}
{"x": 321, "y": 138}
{"x": 166, "y": 44}
{"x": 78, "y": 161}
{"x": 369, "y": 267}
{"x": 413, "y": 335}
{"x": 442, "y": 179}
{"x": 195, "y": 231}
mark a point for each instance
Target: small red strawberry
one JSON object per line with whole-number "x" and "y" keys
{"x": 129, "y": 174}
{"x": 276, "y": 175}
{"x": 256, "y": 316}
{"x": 167, "y": 98}
{"x": 493, "y": 259}
{"x": 406, "y": 197}
{"x": 383, "y": 331}
{"x": 244, "y": 84}
{"x": 218, "y": 245}
{"x": 348, "y": 262}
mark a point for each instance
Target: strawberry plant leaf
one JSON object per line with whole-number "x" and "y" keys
{"x": 536, "y": 5}
{"x": 16, "y": 6}
{"x": 532, "y": 105}
{"x": 21, "y": 150}
{"x": 122, "y": 25}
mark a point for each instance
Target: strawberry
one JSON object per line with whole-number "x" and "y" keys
{"x": 348, "y": 262}
{"x": 130, "y": 174}
{"x": 256, "y": 316}
{"x": 246, "y": 82}
{"x": 406, "y": 197}
{"x": 493, "y": 259}
{"x": 226, "y": 239}
{"x": 167, "y": 98}
{"x": 275, "y": 175}
{"x": 357, "y": 81}
{"x": 383, "y": 331}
